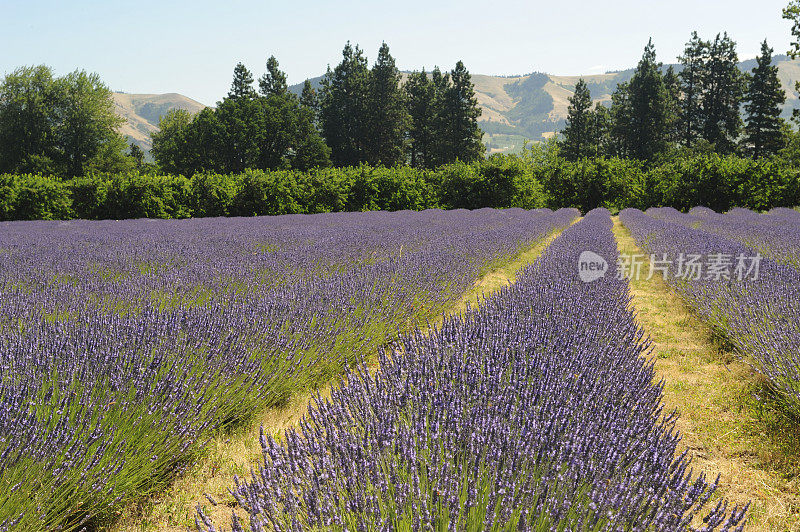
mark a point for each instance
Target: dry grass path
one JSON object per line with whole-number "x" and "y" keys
{"x": 234, "y": 454}
{"x": 726, "y": 429}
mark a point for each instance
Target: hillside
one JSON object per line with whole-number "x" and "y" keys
{"x": 143, "y": 111}
{"x": 535, "y": 106}
{"x": 515, "y": 109}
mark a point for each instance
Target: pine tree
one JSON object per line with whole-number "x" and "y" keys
{"x": 649, "y": 120}
{"x": 343, "y": 108}
{"x": 242, "y": 86}
{"x": 388, "y": 117}
{"x": 309, "y": 100}
{"x": 580, "y": 134}
{"x": 421, "y": 105}
{"x": 619, "y": 139}
{"x": 722, "y": 95}
{"x": 308, "y": 97}
{"x": 764, "y": 99}
{"x": 601, "y": 118}
{"x": 672, "y": 84}
{"x": 461, "y": 137}
{"x": 692, "y": 78}
{"x": 439, "y": 124}
{"x": 274, "y": 80}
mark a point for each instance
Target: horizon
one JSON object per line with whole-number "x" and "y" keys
{"x": 192, "y": 50}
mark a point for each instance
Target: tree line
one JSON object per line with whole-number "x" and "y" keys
{"x": 361, "y": 114}
{"x": 66, "y": 126}
{"x": 697, "y": 108}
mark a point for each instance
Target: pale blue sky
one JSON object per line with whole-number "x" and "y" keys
{"x": 191, "y": 47}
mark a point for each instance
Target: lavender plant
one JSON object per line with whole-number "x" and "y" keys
{"x": 125, "y": 345}
{"x": 775, "y": 235}
{"x": 759, "y": 314}
{"x": 535, "y": 411}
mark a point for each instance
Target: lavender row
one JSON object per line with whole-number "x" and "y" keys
{"x": 758, "y": 313}
{"x": 536, "y": 411}
{"x": 775, "y": 235}
{"x": 123, "y": 345}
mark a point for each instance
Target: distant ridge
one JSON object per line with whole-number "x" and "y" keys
{"x": 143, "y": 111}
{"x": 516, "y": 109}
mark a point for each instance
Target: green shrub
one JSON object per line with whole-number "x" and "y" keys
{"x": 41, "y": 198}
{"x": 212, "y": 194}
{"x": 148, "y": 196}
{"x": 263, "y": 193}
{"x": 89, "y": 197}
{"x": 8, "y": 196}
{"x": 537, "y": 178}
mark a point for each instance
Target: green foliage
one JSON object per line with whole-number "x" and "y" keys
{"x": 34, "y": 197}
{"x": 242, "y": 85}
{"x": 792, "y": 13}
{"x": 581, "y": 136}
{"x": 343, "y": 108}
{"x": 723, "y": 88}
{"x": 65, "y": 126}
{"x": 657, "y": 109}
{"x": 171, "y": 142}
{"x": 421, "y": 101}
{"x": 263, "y": 193}
{"x": 538, "y": 177}
{"x": 500, "y": 181}
{"x": 722, "y": 182}
{"x": 648, "y": 127}
{"x": 692, "y": 78}
{"x": 146, "y": 196}
{"x": 273, "y": 131}
{"x": 89, "y": 197}
{"x": 388, "y": 117}
{"x": 274, "y": 80}
{"x": 765, "y": 96}
{"x": 309, "y": 98}
{"x": 458, "y": 134}
{"x": 212, "y": 195}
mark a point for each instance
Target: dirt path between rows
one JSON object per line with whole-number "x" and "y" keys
{"x": 234, "y": 454}
{"x": 723, "y": 424}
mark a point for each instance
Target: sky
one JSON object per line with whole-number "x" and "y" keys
{"x": 191, "y": 47}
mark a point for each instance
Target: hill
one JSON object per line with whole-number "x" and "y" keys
{"x": 535, "y": 106}
{"x": 515, "y": 109}
{"x": 143, "y": 111}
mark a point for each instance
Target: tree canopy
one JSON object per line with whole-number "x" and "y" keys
{"x": 58, "y": 125}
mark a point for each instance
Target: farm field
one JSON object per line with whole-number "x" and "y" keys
{"x": 126, "y": 345}
{"x": 434, "y": 370}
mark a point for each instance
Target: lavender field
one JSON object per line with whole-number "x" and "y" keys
{"x": 760, "y": 316}
{"x": 126, "y": 345}
{"x": 537, "y": 411}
